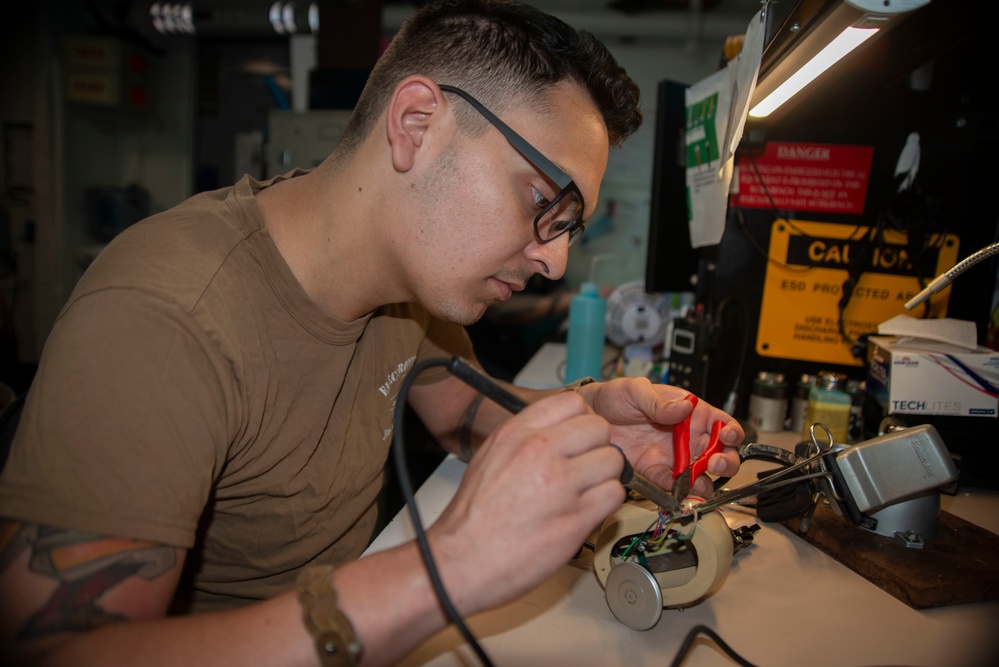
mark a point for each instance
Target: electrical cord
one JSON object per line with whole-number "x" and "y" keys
{"x": 780, "y": 215}
{"x": 855, "y": 268}
{"x": 711, "y": 634}
{"x": 727, "y": 302}
{"x": 406, "y": 486}
{"x": 918, "y": 218}
{"x": 760, "y": 250}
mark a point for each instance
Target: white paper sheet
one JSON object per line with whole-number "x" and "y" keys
{"x": 717, "y": 107}
{"x": 946, "y": 330}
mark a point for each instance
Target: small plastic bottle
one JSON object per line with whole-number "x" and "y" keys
{"x": 829, "y": 404}
{"x": 768, "y": 402}
{"x": 799, "y": 402}
{"x": 585, "y": 340}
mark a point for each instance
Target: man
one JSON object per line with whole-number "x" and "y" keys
{"x": 214, "y": 406}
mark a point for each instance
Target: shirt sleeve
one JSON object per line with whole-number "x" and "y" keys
{"x": 125, "y": 425}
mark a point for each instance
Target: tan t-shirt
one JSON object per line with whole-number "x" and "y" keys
{"x": 190, "y": 393}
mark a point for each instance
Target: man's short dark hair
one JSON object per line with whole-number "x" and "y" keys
{"x": 501, "y": 52}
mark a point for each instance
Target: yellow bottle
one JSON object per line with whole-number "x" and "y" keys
{"x": 829, "y": 404}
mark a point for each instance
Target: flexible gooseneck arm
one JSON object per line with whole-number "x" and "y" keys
{"x": 948, "y": 277}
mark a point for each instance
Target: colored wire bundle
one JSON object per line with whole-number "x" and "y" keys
{"x": 658, "y": 532}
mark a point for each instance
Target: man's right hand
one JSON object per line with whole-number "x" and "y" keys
{"x": 534, "y": 491}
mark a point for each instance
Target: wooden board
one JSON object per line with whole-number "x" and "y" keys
{"x": 960, "y": 564}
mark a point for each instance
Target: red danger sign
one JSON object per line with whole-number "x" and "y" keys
{"x": 825, "y": 178}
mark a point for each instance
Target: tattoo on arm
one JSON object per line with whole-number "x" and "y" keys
{"x": 465, "y": 431}
{"x": 13, "y": 540}
{"x": 86, "y": 565}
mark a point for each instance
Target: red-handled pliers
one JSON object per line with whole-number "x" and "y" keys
{"x": 685, "y": 472}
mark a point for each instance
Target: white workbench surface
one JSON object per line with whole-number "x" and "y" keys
{"x": 784, "y": 603}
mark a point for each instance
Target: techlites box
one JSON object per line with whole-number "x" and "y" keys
{"x": 916, "y": 376}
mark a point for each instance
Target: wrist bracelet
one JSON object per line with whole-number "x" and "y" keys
{"x": 581, "y": 382}
{"x": 335, "y": 639}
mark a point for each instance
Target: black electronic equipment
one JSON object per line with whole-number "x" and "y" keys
{"x": 671, "y": 262}
{"x": 688, "y": 353}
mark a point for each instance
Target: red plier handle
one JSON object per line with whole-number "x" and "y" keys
{"x": 700, "y": 465}
{"x": 682, "y": 467}
{"x": 681, "y": 440}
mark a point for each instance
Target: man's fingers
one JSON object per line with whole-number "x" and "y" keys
{"x": 659, "y": 474}
{"x": 732, "y": 434}
{"x": 602, "y": 500}
{"x": 553, "y": 410}
{"x": 724, "y": 464}
{"x": 671, "y": 411}
{"x": 596, "y": 467}
{"x": 567, "y": 423}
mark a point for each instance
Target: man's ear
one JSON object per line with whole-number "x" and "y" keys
{"x": 412, "y": 113}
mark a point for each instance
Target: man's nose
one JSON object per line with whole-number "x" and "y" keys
{"x": 550, "y": 258}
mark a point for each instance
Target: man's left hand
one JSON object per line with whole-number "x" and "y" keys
{"x": 642, "y": 415}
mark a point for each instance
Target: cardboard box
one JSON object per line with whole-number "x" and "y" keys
{"x": 917, "y": 376}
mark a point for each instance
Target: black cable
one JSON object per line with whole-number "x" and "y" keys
{"x": 859, "y": 260}
{"x": 406, "y": 487}
{"x": 780, "y": 215}
{"x": 916, "y": 217}
{"x": 702, "y": 629}
{"x": 920, "y": 216}
{"x": 722, "y": 307}
{"x": 760, "y": 250}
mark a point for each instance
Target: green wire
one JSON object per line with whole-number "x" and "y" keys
{"x": 631, "y": 546}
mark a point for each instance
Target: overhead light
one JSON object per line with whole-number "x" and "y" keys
{"x": 846, "y": 42}
{"x": 847, "y": 26}
{"x": 172, "y": 17}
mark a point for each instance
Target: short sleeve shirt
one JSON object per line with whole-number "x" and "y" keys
{"x": 191, "y": 393}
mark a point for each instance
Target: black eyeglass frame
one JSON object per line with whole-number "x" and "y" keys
{"x": 544, "y": 165}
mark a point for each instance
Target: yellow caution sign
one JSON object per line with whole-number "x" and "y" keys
{"x": 808, "y": 270}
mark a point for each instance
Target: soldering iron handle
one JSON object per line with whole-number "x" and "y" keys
{"x": 485, "y": 386}
{"x": 515, "y": 404}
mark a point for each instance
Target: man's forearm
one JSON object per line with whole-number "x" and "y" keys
{"x": 459, "y": 417}
{"x": 269, "y": 632}
{"x": 388, "y": 598}
{"x": 482, "y": 416}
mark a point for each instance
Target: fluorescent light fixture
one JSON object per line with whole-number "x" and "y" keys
{"x": 847, "y": 41}
{"x": 842, "y": 26}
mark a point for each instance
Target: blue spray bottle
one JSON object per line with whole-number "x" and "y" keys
{"x": 587, "y": 325}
